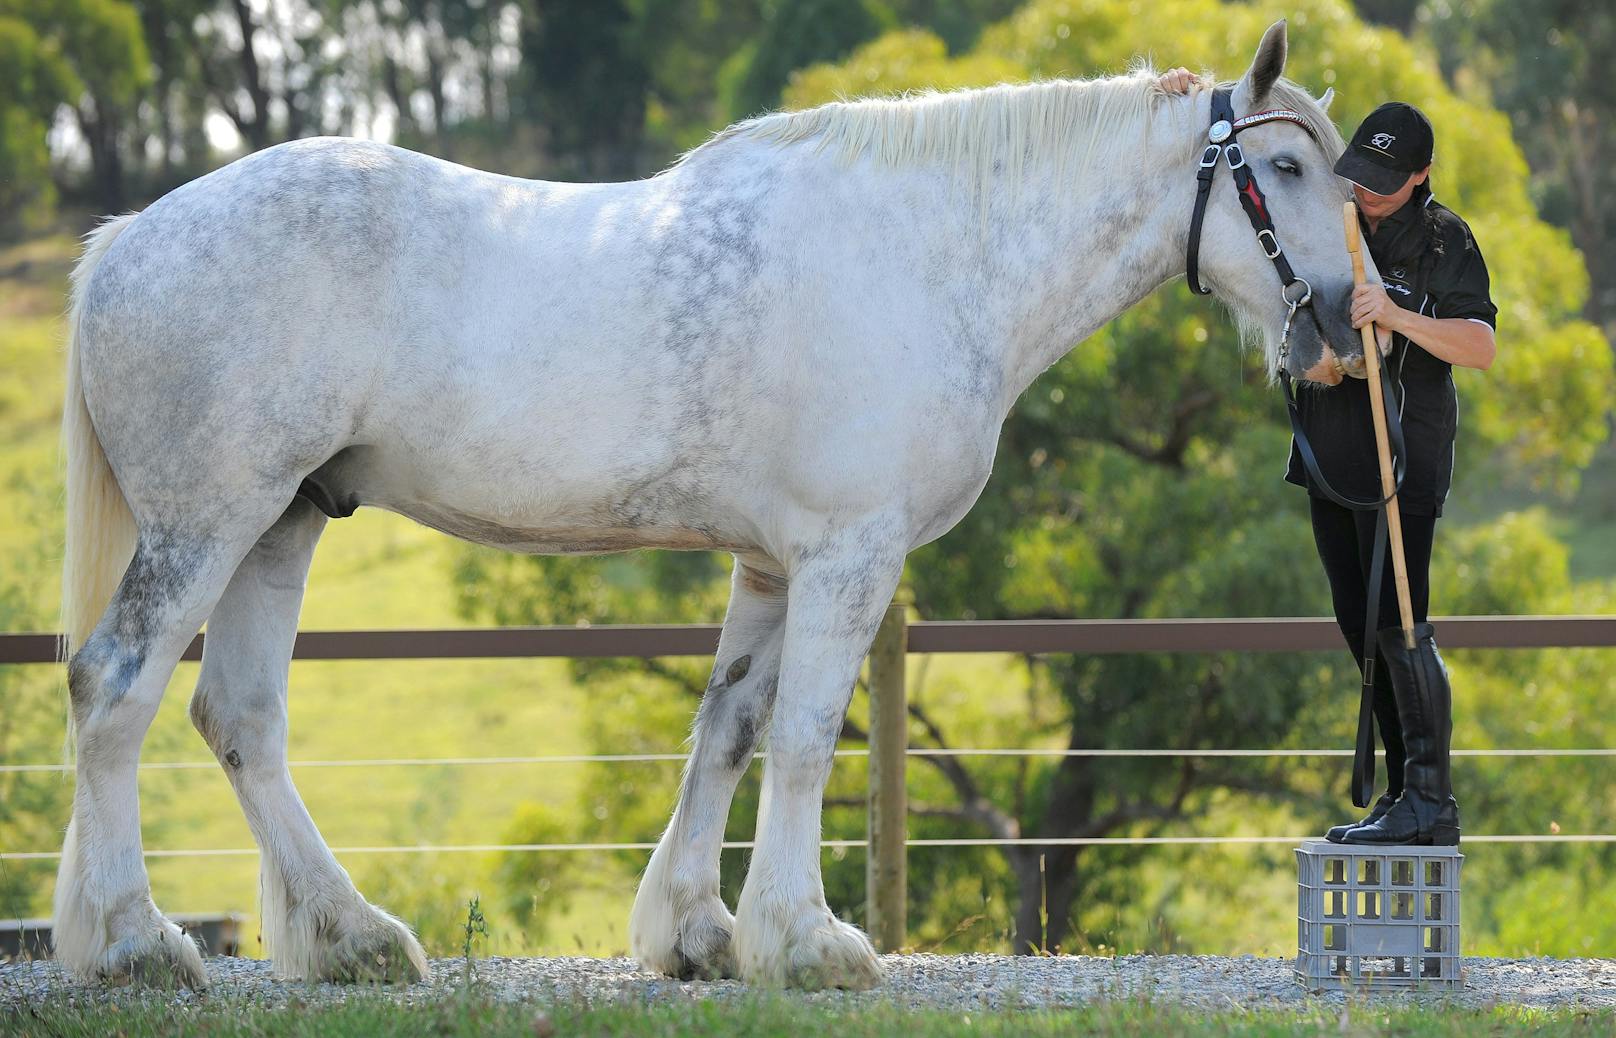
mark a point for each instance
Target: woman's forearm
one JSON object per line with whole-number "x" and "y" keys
{"x": 1457, "y": 340}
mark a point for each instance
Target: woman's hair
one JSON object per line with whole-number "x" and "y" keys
{"x": 1428, "y": 219}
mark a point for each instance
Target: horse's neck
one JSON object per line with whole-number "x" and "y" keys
{"x": 1071, "y": 261}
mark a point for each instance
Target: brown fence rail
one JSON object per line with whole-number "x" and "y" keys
{"x": 1244, "y": 634}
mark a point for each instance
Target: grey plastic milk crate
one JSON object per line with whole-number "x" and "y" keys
{"x": 1372, "y": 916}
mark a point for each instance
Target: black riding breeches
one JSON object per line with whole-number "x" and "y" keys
{"x": 1346, "y": 543}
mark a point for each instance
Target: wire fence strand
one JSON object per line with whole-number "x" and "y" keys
{"x": 1031, "y": 841}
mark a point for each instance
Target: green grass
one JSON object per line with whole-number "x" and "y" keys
{"x": 471, "y": 1014}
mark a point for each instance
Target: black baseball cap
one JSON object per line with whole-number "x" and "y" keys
{"x": 1393, "y": 141}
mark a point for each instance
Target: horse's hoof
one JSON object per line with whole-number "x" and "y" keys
{"x": 696, "y": 946}
{"x": 356, "y": 946}
{"x": 162, "y": 958}
{"x": 813, "y": 954}
{"x": 702, "y": 945}
{"x": 383, "y": 951}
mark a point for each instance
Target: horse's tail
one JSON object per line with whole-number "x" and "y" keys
{"x": 100, "y": 526}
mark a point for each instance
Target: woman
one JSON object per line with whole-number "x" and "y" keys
{"x": 1434, "y": 300}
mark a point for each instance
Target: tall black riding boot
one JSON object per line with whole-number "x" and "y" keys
{"x": 1427, "y": 812}
{"x": 1391, "y": 737}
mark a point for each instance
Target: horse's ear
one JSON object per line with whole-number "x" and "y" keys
{"x": 1267, "y": 65}
{"x": 1329, "y": 95}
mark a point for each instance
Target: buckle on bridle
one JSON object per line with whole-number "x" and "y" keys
{"x": 1237, "y": 158}
{"x": 1290, "y": 315}
{"x": 1209, "y": 157}
{"x": 1270, "y": 246}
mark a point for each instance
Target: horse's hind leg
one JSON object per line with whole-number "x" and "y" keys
{"x": 106, "y": 926}
{"x": 316, "y": 925}
{"x": 679, "y": 925}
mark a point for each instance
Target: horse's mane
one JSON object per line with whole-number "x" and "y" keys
{"x": 1082, "y": 123}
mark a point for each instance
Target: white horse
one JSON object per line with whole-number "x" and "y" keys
{"x": 797, "y": 345}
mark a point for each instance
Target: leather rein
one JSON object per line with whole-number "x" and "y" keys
{"x": 1298, "y": 294}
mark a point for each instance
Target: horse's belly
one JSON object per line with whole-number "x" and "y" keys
{"x": 566, "y": 539}
{"x": 531, "y": 504}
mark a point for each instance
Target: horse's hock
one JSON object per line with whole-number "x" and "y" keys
{"x": 1377, "y": 916}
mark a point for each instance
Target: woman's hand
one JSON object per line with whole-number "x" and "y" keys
{"x": 1178, "y": 81}
{"x": 1464, "y": 341}
{"x": 1371, "y": 303}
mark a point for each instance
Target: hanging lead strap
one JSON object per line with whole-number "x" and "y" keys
{"x": 1363, "y": 751}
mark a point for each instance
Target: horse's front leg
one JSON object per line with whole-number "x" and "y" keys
{"x": 680, "y": 925}
{"x": 785, "y": 934}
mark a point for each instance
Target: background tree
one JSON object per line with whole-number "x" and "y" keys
{"x": 1547, "y": 64}
{"x": 584, "y": 78}
{"x": 40, "y": 81}
{"x": 89, "y": 55}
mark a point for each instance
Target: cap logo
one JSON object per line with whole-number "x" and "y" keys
{"x": 1381, "y": 141}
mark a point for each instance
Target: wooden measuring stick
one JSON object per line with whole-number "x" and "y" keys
{"x": 1388, "y": 484}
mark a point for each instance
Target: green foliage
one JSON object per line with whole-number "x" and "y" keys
{"x": 1546, "y": 63}
{"x": 31, "y": 804}
{"x": 39, "y": 79}
{"x": 797, "y": 33}
{"x": 476, "y": 927}
{"x": 533, "y": 885}
{"x": 584, "y": 79}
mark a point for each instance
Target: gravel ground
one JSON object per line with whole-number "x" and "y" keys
{"x": 919, "y": 981}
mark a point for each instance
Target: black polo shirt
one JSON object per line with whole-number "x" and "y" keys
{"x": 1429, "y": 263}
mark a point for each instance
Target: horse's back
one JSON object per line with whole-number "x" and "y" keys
{"x": 668, "y": 353}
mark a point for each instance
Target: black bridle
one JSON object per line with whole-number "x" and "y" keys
{"x": 1221, "y": 144}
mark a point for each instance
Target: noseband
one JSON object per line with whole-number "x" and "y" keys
{"x": 1221, "y": 143}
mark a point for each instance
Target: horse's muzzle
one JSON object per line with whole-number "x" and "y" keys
{"x": 1329, "y": 370}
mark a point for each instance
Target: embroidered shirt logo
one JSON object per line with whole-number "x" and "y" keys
{"x": 1381, "y": 141}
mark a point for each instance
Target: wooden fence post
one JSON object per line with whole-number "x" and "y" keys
{"x": 886, "y": 864}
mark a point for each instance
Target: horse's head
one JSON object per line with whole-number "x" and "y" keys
{"x": 1291, "y": 164}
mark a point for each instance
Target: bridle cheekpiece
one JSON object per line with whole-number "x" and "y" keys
{"x": 1221, "y": 144}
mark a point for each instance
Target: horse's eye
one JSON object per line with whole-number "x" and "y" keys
{"x": 1290, "y": 166}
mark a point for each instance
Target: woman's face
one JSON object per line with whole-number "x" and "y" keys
{"x": 1377, "y": 207}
